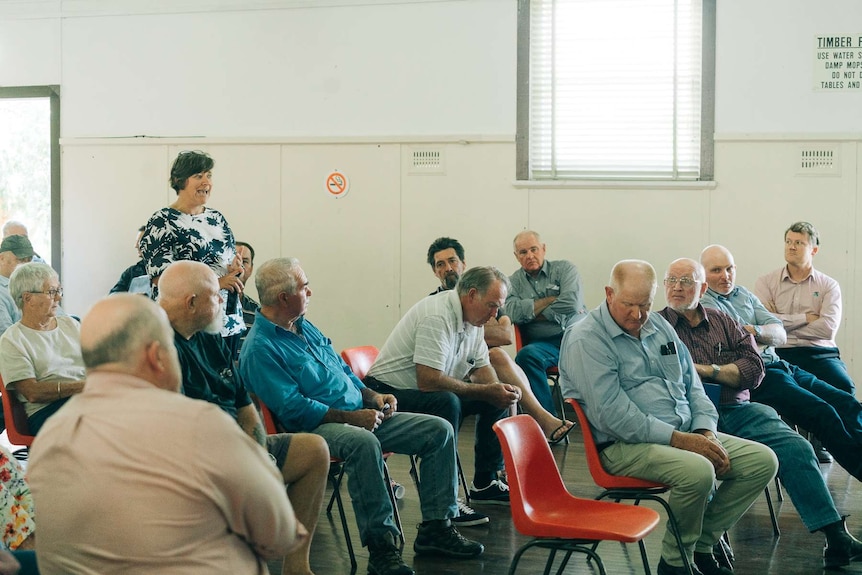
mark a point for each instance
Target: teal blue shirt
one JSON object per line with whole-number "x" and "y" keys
{"x": 298, "y": 377}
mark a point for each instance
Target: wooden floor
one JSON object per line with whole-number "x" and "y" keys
{"x": 796, "y": 551}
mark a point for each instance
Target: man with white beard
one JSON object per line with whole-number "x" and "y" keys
{"x": 189, "y": 293}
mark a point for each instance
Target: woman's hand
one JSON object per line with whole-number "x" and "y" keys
{"x": 232, "y": 281}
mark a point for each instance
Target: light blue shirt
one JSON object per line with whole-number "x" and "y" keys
{"x": 9, "y": 312}
{"x": 298, "y": 378}
{"x": 556, "y": 278}
{"x": 633, "y": 390}
{"x": 745, "y": 308}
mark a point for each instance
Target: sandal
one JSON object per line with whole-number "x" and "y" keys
{"x": 563, "y": 431}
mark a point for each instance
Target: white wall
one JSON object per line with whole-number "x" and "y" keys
{"x": 282, "y": 96}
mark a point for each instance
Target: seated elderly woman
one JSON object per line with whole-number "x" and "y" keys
{"x": 40, "y": 355}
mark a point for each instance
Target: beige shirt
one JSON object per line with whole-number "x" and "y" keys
{"x": 790, "y": 301}
{"x": 131, "y": 479}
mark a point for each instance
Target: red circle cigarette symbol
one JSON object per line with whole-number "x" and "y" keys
{"x": 337, "y": 184}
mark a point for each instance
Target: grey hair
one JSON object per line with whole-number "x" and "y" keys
{"x": 480, "y": 278}
{"x": 804, "y": 228}
{"x": 276, "y": 276}
{"x": 624, "y": 268}
{"x": 699, "y": 273}
{"x": 142, "y": 327}
{"x": 524, "y": 234}
{"x": 29, "y": 278}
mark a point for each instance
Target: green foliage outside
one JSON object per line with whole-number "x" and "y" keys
{"x": 25, "y": 168}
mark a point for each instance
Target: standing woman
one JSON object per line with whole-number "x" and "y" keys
{"x": 188, "y": 230}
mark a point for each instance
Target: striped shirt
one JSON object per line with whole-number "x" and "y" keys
{"x": 719, "y": 339}
{"x": 432, "y": 333}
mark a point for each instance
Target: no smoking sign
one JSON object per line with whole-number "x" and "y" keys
{"x": 337, "y": 185}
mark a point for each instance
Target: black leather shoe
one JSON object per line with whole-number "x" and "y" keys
{"x": 709, "y": 566}
{"x": 841, "y": 551}
{"x": 665, "y": 568}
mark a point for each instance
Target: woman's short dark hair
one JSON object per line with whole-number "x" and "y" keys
{"x": 188, "y": 164}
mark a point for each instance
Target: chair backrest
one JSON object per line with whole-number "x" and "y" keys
{"x": 267, "y": 417}
{"x": 519, "y": 340}
{"x": 713, "y": 391}
{"x": 17, "y": 428}
{"x": 594, "y": 461}
{"x": 359, "y": 359}
{"x": 535, "y": 485}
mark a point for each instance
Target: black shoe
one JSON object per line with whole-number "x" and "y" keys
{"x": 709, "y": 566}
{"x": 384, "y": 557}
{"x": 667, "y": 569}
{"x": 442, "y": 537}
{"x": 823, "y": 456}
{"x": 723, "y": 553}
{"x": 496, "y": 492}
{"x": 468, "y": 517}
{"x": 843, "y": 549}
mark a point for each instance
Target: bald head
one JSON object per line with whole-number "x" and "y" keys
{"x": 630, "y": 294}
{"x": 720, "y": 268}
{"x": 127, "y": 333}
{"x": 189, "y": 293}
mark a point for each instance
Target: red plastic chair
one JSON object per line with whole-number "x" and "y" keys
{"x": 17, "y": 428}
{"x": 620, "y": 487}
{"x": 543, "y": 508}
{"x": 553, "y": 374}
{"x": 360, "y": 359}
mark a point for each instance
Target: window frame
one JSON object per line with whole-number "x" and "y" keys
{"x": 51, "y": 92}
{"x": 707, "y": 109}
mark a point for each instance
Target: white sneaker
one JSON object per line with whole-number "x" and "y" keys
{"x": 467, "y": 516}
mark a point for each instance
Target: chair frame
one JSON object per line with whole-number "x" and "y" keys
{"x": 542, "y": 507}
{"x": 619, "y": 487}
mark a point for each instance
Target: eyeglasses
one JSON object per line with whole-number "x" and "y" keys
{"x": 685, "y": 282}
{"x": 50, "y": 292}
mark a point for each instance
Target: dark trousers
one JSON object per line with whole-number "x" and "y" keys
{"x": 445, "y": 404}
{"x": 832, "y": 415}
{"x": 824, "y": 362}
{"x": 35, "y": 421}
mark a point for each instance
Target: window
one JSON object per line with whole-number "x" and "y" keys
{"x": 616, "y": 89}
{"x": 30, "y": 165}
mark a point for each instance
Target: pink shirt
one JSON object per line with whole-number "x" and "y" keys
{"x": 131, "y": 479}
{"x": 818, "y": 294}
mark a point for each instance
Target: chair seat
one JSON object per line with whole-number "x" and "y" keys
{"x": 596, "y": 520}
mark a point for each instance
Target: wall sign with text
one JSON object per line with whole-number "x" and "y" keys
{"x": 838, "y": 63}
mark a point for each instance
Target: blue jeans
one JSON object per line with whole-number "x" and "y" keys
{"x": 431, "y": 438}
{"x": 797, "y": 466}
{"x": 535, "y": 358}
{"x": 832, "y": 415}
{"x": 824, "y": 362}
{"x": 486, "y": 449}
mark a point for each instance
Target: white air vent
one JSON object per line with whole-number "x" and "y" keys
{"x": 819, "y": 161}
{"x": 430, "y": 161}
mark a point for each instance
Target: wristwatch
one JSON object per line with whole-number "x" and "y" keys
{"x": 716, "y": 369}
{"x": 757, "y": 331}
